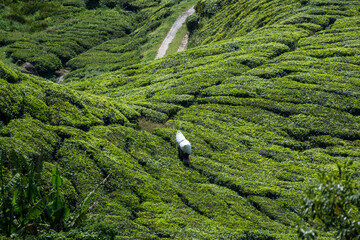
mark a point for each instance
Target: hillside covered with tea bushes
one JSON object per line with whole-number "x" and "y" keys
{"x": 53, "y": 34}
{"x": 267, "y": 93}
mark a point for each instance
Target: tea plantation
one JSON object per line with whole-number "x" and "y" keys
{"x": 268, "y": 94}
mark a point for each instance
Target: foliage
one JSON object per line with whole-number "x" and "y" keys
{"x": 45, "y": 49}
{"x": 80, "y": 30}
{"x": 333, "y": 205}
{"x": 267, "y": 94}
{"x": 56, "y": 51}
{"x": 25, "y": 208}
{"x": 109, "y": 56}
{"x": 192, "y": 22}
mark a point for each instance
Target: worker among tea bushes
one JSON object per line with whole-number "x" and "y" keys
{"x": 184, "y": 148}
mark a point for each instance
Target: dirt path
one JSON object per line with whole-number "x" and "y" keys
{"x": 171, "y": 34}
{"x": 183, "y": 43}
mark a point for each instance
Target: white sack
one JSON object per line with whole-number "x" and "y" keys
{"x": 183, "y": 143}
{"x": 179, "y": 137}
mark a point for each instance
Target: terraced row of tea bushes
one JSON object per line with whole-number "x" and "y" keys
{"x": 239, "y": 18}
{"x": 49, "y": 50}
{"x": 20, "y": 19}
{"x": 29, "y": 16}
{"x": 23, "y": 96}
{"x": 109, "y": 56}
{"x": 130, "y": 5}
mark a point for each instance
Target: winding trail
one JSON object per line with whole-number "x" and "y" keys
{"x": 172, "y": 32}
